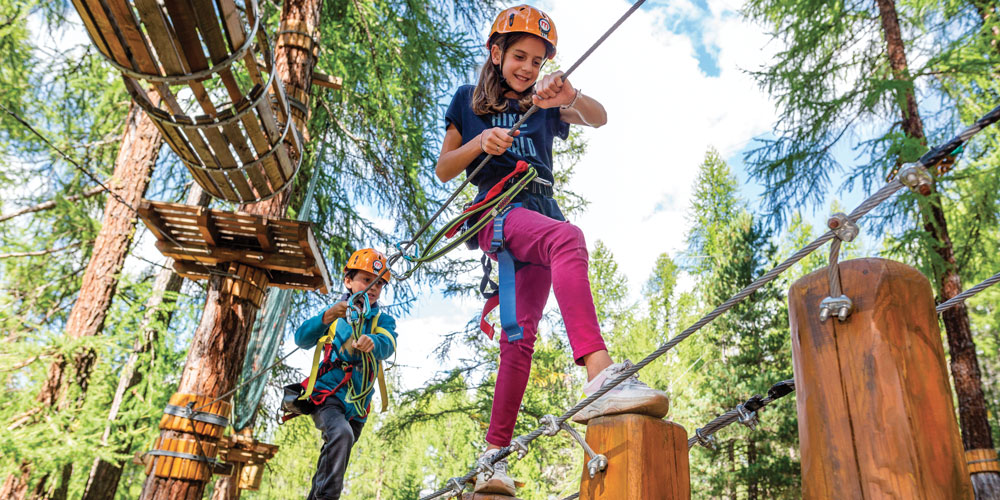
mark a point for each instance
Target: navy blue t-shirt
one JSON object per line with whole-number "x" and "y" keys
{"x": 533, "y": 145}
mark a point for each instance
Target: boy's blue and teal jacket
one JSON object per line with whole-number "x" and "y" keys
{"x": 310, "y": 332}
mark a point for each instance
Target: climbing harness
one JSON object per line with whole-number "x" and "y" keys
{"x": 472, "y": 219}
{"x": 299, "y": 398}
{"x": 502, "y": 293}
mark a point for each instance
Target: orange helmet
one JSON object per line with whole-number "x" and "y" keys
{"x": 371, "y": 260}
{"x": 526, "y": 19}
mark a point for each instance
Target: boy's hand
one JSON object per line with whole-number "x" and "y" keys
{"x": 339, "y": 310}
{"x": 552, "y": 91}
{"x": 364, "y": 344}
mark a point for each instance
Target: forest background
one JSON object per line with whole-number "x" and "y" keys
{"x": 678, "y": 196}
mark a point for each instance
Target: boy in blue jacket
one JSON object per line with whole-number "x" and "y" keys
{"x": 345, "y": 379}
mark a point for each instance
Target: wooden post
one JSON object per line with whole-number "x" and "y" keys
{"x": 876, "y": 418}
{"x": 647, "y": 458}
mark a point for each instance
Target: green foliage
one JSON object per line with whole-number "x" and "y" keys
{"x": 743, "y": 352}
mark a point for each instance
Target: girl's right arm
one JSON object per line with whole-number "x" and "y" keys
{"x": 455, "y": 156}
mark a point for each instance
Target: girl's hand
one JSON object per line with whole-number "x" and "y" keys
{"x": 339, "y": 310}
{"x": 495, "y": 141}
{"x": 364, "y": 344}
{"x": 552, "y": 91}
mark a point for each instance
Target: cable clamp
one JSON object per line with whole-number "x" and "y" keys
{"x": 841, "y": 306}
{"x": 483, "y": 465}
{"x": 519, "y": 446}
{"x": 747, "y": 418}
{"x": 597, "y": 463}
{"x": 549, "y": 425}
{"x": 916, "y": 177}
{"x": 708, "y": 441}
{"x": 843, "y": 227}
{"x": 455, "y": 487}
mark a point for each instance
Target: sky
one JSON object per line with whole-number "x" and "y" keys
{"x": 673, "y": 81}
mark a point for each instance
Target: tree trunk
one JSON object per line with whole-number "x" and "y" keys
{"x": 215, "y": 358}
{"x": 752, "y": 487}
{"x": 228, "y": 487}
{"x": 965, "y": 372}
{"x": 731, "y": 455}
{"x": 104, "y": 476}
{"x": 140, "y": 147}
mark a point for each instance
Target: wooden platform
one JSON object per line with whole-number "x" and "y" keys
{"x": 226, "y": 117}
{"x": 196, "y": 237}
{"x": 486, "y": 496}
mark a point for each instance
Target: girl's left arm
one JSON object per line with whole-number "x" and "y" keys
{"x": 552, "y": 90}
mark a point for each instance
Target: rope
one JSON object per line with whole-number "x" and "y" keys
{"x": 954, "y": 301}
{"x": 834, "y": 269}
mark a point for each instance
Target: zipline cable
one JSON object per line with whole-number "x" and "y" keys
{"x": 954, "y": 301}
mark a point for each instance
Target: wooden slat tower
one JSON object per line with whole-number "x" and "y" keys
{"x": 221, "y": 109}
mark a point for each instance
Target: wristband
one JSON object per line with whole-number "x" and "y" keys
{"x": 573, "y": 102}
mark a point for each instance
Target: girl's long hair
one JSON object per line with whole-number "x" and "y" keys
{"x": 488, "y": 97}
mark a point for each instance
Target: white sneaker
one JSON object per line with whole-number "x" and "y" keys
{"x": 500, "y": 482}
{"x": 630, "y": 396}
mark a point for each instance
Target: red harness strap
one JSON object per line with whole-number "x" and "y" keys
{"x": 522, "y": 167}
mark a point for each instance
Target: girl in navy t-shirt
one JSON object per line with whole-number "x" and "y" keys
{"x": 550, "y": 252}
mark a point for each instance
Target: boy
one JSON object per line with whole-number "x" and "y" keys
{"x": 343, "y": 387}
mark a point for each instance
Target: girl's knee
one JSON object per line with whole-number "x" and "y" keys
{"x": 572, "y": 236}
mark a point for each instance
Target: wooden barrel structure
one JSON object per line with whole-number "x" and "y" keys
{"x": 647, "y": 458}
{"x": 183, "y": 458}
{"x": 876, "y": 418}
{"x": 216, "y": 98}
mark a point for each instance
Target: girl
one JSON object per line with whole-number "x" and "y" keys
{"x": 549, "y": 251}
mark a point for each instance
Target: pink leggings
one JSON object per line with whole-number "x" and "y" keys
{"x": 555, "y": 254}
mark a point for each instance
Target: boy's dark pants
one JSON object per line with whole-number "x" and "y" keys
{"x": 339, "y": 435}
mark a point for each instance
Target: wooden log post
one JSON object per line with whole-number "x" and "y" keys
{"x": 876, "y": 418}
{"x": 647, "y": 458}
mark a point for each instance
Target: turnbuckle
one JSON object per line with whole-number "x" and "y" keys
{"x": 597, "y": 463}
{"x": 842, "y": 306}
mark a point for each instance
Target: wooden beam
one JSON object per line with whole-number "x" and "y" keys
{"x": 263, "y": 231}
{"x": 206, "y": 226}
{"x": 153, "y": 221}
{"x": 330, "y": 82}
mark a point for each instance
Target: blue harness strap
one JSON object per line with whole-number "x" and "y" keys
{"x": 506, "y": 270}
